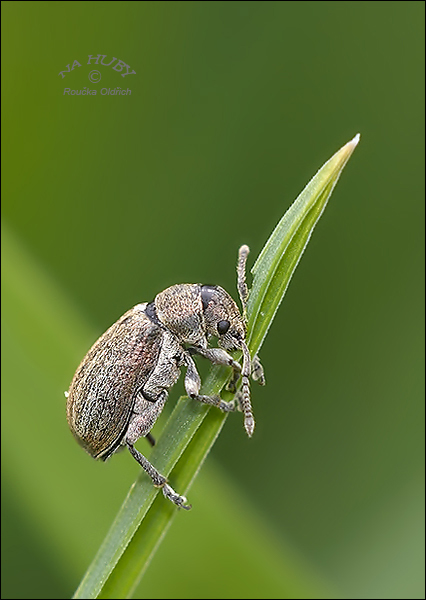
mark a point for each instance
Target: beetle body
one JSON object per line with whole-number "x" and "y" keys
{"x": 107, "y": 386}
{"x": 121, "y": 386}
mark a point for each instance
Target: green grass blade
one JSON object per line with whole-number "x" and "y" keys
{"x": 280, "y": 256}
{"x": 129, "y": 570}
{"x": 192, "y": 428}
{"x": 180, "y": 429}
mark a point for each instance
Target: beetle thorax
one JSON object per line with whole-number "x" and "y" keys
{"x": 179, "y": 309}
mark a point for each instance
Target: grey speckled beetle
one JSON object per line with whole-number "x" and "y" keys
{"x": 121, "y": 386}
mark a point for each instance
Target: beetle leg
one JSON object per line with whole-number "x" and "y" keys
{"x": 158, "y": 480}
{"x": 151, "y": 439}
{"x": 215, "y": 401}
{"x": 169, "y": 493}
{"x": 145, "y": 413}
{"x": 193, "y": 384}
{"x": 257, "y": 372}
{"x": 192, "y": 378}
{"x": 231, "y": 386}
{"x": 216, "y": 356}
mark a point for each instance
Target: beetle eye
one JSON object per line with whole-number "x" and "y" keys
{"x": 222, "y": 327}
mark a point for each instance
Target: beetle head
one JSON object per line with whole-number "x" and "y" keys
{"x": 222, "y": 317}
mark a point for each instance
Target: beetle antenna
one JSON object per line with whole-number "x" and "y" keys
{"x": 244, "y": 399}
{"x": 241, "y": 277}
{"x": 246, "y": 369}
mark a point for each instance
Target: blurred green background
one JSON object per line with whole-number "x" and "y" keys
{"x": 109, "y": 199}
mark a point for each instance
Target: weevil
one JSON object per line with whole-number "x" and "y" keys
{"x": 121, "y": 385}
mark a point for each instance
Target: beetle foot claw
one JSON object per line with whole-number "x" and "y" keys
{"x": 171, "y": 495}
{"x": 226, "y": 406}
